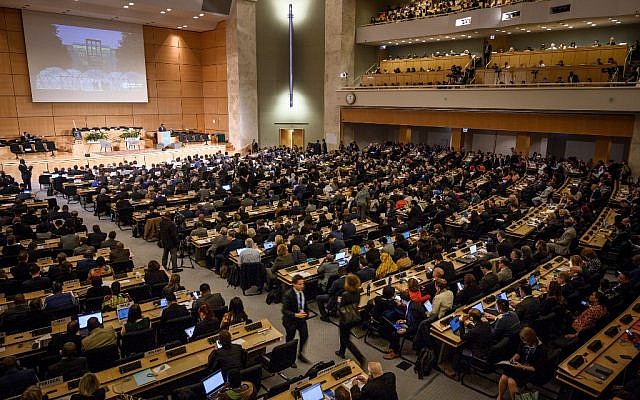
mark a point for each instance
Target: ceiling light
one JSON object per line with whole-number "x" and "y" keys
{"x": 528, "y": 31}
{"x": 125, "y": 6}
{"x": 201, "y": 15}
{"x": 179, "y": 27}
{"x": 543, "y": 27}
{"x": 163, "y": 12}
{"x": 522, "y": 29}
{"x": 589, "y": 23}
{"x": 195, "y": 17}
{"x": 593, "y": 25}
{"x": 132, "y": 4}
{"x": 571, "y": 27}
{"x": 618, "y": 22}
{"x": 508, "y": 33}
{"x": 548, "y": 29}
{"x": 169, "y": 9}
{"x": 184, "y": 26}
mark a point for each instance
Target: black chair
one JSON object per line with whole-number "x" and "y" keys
{"x": 63, "y": 312}
{"x": 173, "y": 330}
{"x": 281, "y": 357}
{"x": 121, "y": 267}
{"x": 192, "y": 392}
{"x": 92, "y": 304}
{"x": 138, "y": 341}
{"x": 139, "y": 293}
{"x": 124, "y": 217}
{"x": 253, "y": 374}
{"x": 44, "y": 180}
{"x": 156, "y": 290}
{"x": 16, "y": 148}
{"x": 220, "y": 312}
{"x": 102, "y": 358}
{"x": 71, "y": 192}
{"x": 252, "y": 274}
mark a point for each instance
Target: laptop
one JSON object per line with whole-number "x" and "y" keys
{"x": 226, "y": 187}
{"x": 123, "y": 312}
{"x": 163, "y": 303}
{"x": 212, "y": 384}
{"x": 268, "y": 245}
{"x": 428, "y": 306}
{"x": 473, "y": 249}
{"x": 502, "y": 296}
{"x": 478, "y": 307}
{"x": 340, "y": 258}
{"x": 84, "y": 318}
{"x": 189, "y": 331}
{"x": 239, "y": 251}
{"x": 455, "y": 324}
{"x": 406, "y": 235}
{"x": 533, "y": 282}
{"x": 313, "y": 392}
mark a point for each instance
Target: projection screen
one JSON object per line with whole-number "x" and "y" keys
{"x": 77, "y": 59}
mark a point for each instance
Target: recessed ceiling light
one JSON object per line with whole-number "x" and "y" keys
{"x": 132, "y": 4}
{"x": 179, "y": 27}
{"x": 195, "y": 17}
{"x": 163, "y": 12}
{"x": 169, "y": 9}
{"x": 548, "y": 29}
{"x": 201, "y": 15}
{"x": 571, "y": 27}
{"x": 593, "y": 25}
{"x": 184, "y": 26}
{"x": 508, "y": 33}
{"x": 618, "y": 22}
{"x": 589, "y": 23}
{"x": 125, "y": 6}
{"x": 528, "y": 31}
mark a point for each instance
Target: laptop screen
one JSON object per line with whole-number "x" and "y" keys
{"x": 268, "y": 245}
{"x": 502, "y": 296}
{"x": 313, "y": 392}
{"x": 455, "y": 324}
{"x": 189, "y": 331}
{"x": 478, "y": 307}
{"x": 83, "y": 319}
{"x": 163, "y": 303}
{"x": 532, "y": 280}
{"x": 123, "y": 312}
{"x": 473, "y": 249}
{"x": 340, "y": 256}
{"x": 226, "y": 187}
{"x": 405, "y": 235}
{"x": 428, "y": 306}
{"x": 213, "y": 382}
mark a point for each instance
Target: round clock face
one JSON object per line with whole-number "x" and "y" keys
{"x": 351, "y": 98}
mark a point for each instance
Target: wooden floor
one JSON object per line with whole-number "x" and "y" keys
{"x": 44, "y": 162}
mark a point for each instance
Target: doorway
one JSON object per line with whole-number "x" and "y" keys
{"x": 292, "y": 137}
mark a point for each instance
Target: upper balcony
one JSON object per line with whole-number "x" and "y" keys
{"x": 523, "y": 15}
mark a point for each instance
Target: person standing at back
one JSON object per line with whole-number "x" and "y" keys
{"x": 26, "y": 173}
{"x": 169, "y": 241}
{"x": 295, "y": 313}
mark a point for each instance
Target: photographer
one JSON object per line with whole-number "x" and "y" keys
{"x": 169, "y": 240}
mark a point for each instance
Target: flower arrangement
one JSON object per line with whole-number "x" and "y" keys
{"x": 95, "y": 136}
{"x": 130, "y": 134}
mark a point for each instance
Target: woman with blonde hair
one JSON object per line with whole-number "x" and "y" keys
{"x": 348, "y": 302}
{"x": 354, "y": 262}
{"x": 284, "y": 259}
{"x": 173, "y": 285}
{"x": 528, "y": 361}
{"x": 387, "y": 266}
{"x": 89, "y": 388}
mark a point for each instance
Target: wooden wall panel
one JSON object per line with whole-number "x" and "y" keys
{"x": 222, "y": 106}
{"x": 21, "y": 86}
{"x": 175, "y": 75}
{"x": 8, "y": 106}
{"x": 43, "y": 125}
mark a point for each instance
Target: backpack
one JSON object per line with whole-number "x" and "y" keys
{"x": 274, "y": 295}
{"x": 424, "y": 363}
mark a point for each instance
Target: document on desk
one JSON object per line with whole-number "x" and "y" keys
{"x": 161, "y": 368}
{"x": 303, "y": 274}
{"x": 144, "y": 377}
{"x": 239, "y": 341}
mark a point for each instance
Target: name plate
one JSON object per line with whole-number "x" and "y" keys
{"x": 51, "y": 382}
{"x": 154, "y": 352}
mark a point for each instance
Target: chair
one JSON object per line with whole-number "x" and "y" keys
{"x": 252, "y": 374}
{"x": 16, "y": 148}
{"x": 124, "y": 217}
{"x": 63, "y": 312}
{"x": 44, "y": 180}
{"x": 102, "y": 358}
{"x": 50, "y": 146}
{"x": 221, "y": 312}
{"x": 105, "y": 145}
{"x": 139, "y": 293}
{"x": 121, "y": 267}
{"x": 138, "y": 341}
{"x": 71, "y": 192}
{"x": 281, "y": 357}
{"x": 156, "y": 290}
{"x": 92, "y": 304}
{"x": 252, "y": 274}
{"x": 173, "y": 329}
{"x": 133, "y": 143}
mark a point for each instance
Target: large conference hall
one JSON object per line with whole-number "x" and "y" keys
{"x": 319, "y": 199}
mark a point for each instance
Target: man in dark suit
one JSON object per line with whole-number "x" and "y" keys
{"x": 169, "y": 240}
{"x": 228, "y": 357}
{"x": 504, "y": 246}
{"x": 70, "y": 366}
{"x": 295, "y": 313}
{"x": 489, "y": 280}
{"x": 96, "y": 237}
{"x": 348, "y": 230}
{"x": 446, "y": 266}
{"x": 15, "y": 379}
{"x": 25, "y": 172}
{"x": 36, "y": 282}
{"x": 506, "y": 323}
{"x": 173, "y": 310}
{"x": 529, "y": 307}
{"x": 378, "y": 385}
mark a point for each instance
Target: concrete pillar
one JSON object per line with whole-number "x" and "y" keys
{"x": 404, "y": 134}
{"x": 634, "y": 148}
{"x": 602, "y": 149}
{"x": 456, "y": 139}
{"x": 242, "y": 75}
{"x": 339, "y": 42}
{"x": 523, "y": 143}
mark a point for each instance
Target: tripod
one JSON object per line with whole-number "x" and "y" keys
{"x": 183, "y": 250}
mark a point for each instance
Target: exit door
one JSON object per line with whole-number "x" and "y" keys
{"x": 292, "y": 137}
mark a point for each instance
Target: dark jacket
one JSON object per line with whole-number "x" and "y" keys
{"x": 173, "y": 311}
{"x": 290, "y": 307}
{"x": 168, "y": 234}
{"x": 233, "y": 357}
{"x": 488, "y": 282}
{"x": 380, "y": 388}
{"x": 477, "y": 339}
{"x": 68, "y": 368}
{"x": 528, "y": 310}
{"x": 15, "y": 381}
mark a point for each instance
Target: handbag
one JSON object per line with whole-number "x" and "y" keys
{"x": 349, "y": 315}
{"x": 528, "y": 396}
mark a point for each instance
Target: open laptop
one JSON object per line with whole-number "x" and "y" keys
{"x": 406, "y": 234}
{"x": 84, "y": 318}
{"x": 455, "y": 324}
{"x": 313, "y": 392}
{"x": 473, "y": 249}
{"x": 533, "y": 282}
{"x": 340, "y": 258}
{"x": 479, "y": 307}
{"x": 189, "y": 331}
{"x": 163, "y": 303}
{"x": 428, "y": 306}
{"x": 123, "y": 312}
{"x": 212, "y": 384}
{"x": 226, "y": 187}
{"x": 268, "y": 245}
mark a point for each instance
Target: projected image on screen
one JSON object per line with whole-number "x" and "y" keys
{"x": 76, "y": 61}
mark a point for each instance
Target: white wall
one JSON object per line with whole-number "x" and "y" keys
{"x": 538, "y": 144}
{"x": 582, "y": 150}
{"x": 494, "y": 142}
{"x": 431, "y": 136}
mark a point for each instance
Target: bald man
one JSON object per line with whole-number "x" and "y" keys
{"x": 378, "y": 385}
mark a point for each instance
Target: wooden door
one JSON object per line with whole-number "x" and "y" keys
{"x": 292, "y": 137}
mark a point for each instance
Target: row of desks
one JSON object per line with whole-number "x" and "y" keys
{"x": 615, "y": 354}
{"x": 22, "y": 343}
{"x": 457, "y": 219}
{"x": 160, "y": 367}
{"x": 441, "y": 330}
{"x": 327, "y": 381}
{"x": 598, "y": 234}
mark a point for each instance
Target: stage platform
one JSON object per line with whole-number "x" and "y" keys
{"x": 42, "y": 162}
